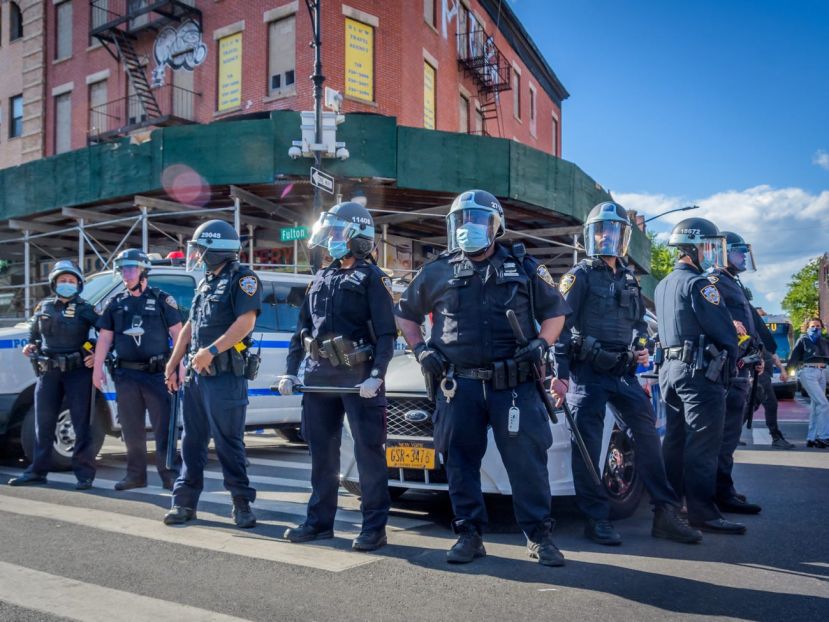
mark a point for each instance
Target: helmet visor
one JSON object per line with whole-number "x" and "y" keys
{"x": 330, "y": 228}
{"x": 477, "y": 226}
{"x": 713, "y": 253}
{"x": 195, "y": 257}
{"x": 607, "y": 238}
{"x": 741, "y": 257}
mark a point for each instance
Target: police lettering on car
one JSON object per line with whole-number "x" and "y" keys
{"x": 61, "y": 354}
{"x": 603, "y": 340}
{"x": 219, "y": 365}
{"x": 140, "y": 322}
{"x": 485, "y": 378}
{"x": 345, "y": 337}
{"x": 697, "y": 354}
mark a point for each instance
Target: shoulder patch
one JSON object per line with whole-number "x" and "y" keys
{"x": 249, "y": 285}
{"x": 545, "y": 275}
{"x": 711, "y": 294}
{"x": 566, "y": 282}
{"x": 387, "y": 284}
{"x": 713, "y": 279}
{"x": 171, "y": 302}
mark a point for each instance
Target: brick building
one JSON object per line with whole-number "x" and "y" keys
{"x": 468, "y": 65}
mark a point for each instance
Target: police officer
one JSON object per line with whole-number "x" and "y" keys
{"x": 486, "y": 378}
{"x": 140, "y": 322}
{"x": 699, "y": 345}
{"x": 346, "y": 328}
{"x": 215, "y": 398}
{"x": 727, "y": 280}
{"x": 58, "y": 331}
{"x": 769, "y": 399}
{"x": 603, "y": 341}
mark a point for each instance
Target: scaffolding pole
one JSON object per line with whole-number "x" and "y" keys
{"x": 145, "y": 230}
{"x": 250, "y": 245}
{"x": 81, "y": 242}
{"x": 27, "y": 275}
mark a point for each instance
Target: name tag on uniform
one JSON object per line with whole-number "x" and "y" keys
{"x": 70, "y": 310}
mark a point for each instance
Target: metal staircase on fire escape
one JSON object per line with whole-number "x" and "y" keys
{"x": 481, "y": 59}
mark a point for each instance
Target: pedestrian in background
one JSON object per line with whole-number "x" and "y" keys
{"x": 810, "y": 356}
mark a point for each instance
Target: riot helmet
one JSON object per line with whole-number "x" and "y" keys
{"x": 474, "y": 221}
{"x": 132, "y": 263}
{"x": 65, "y": 266}
{"x": 740, "y": 255}
{"x": 701, "y": 241}
{"x": 607, "y": 231}
{"x": 345, "y": 229}
{"x": 213, "y": 243}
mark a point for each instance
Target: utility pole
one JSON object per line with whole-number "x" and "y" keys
{"x": 315, "y": 11}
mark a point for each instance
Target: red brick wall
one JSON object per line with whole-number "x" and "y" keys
{"x": 399, "y": 42}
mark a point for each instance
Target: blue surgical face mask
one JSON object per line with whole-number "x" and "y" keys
{"x": 813, "y": 332}
{"x": 337, "y": 249}
{"x": 472, "y": 238}
{"x": 66, "y": 290}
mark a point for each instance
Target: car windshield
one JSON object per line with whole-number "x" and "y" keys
{"x": 98, "y": 286}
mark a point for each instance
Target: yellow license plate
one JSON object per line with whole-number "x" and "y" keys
{"x": 410, "y": 456}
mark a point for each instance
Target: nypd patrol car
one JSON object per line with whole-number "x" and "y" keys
{"x": 281, "y": 296}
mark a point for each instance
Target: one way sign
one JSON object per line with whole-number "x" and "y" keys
{"x": 322, "y": 180}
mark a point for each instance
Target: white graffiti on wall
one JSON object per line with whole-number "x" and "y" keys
{"x": 180, "y": 48}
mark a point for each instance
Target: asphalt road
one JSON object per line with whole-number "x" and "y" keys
{"x": 103, "y": 555}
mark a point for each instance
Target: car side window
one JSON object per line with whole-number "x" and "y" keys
{"x": 278, "y": 313}
{"x": 180, "y": 287}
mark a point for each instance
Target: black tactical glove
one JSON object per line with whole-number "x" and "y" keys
{"x": 533, "y": 352}
{"x": 430, "y": 360}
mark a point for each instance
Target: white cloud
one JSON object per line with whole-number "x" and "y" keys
{"x": 785, "y": 226}
{"x": 821, "y": 158}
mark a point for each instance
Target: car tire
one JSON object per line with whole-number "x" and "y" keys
{"x": 395, "y": 492}
{"x": 64, "y": 436}
{"x": 291, "y": 434}
{"x": 622, "y": 483}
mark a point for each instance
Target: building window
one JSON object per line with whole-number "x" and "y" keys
{"x": 555, "y": 137}
{"x": 532, "y": 110}
{"x": 98, "y": 16}
{"x": 63, "y": 123}
{"x": 463, "y": 115}
{"x": 97, "y": 107}
{"x": 16, "y": 116}
{"x": 516, "y": 94}
{"x": 429, "y": 96}
{"x": 282, "y": 55}
{"x": 359, "y": 60}
{"x": 479, "y": 121}
{"x": 463, "y": 31}
{"x": 15, "y": 22}
{"x": 229, "y": 93}
{"x": 429, "y": 12}
{"x": 135, "y": 109}
{"x": 63, "y": 30}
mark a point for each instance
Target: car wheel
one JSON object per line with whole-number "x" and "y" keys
{"x": 395, "y": 492}
{"x": 64, "y": 440}
{"x": 620, "y": 479}
{"x": 291, "y": 434}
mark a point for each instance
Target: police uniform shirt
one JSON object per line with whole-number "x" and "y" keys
{"x": 689, "y": 305}
{"x": 220, "y": 299}
{"x": 469, "y": 305}
{"x": 607, "y": 305}
{"x": 734, "y": 296}
{"x": 154, "y": 311}
{"x": 62, "y": 327}
{"x": 340, "y": 302}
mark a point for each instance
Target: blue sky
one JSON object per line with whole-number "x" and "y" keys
{"x": 724, "y": 104}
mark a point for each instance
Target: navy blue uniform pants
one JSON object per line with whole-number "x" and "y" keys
{"x": 137, "y": 393}
{"x": 213, "y": 406}
{"x": 322, "y": 425}
{"x": 769, "y": 401}
{"x": 695, "y": 409}
{"x": 589, "y": 393}
{"x": 51, "y": 389}
{"x": 461, "y": 435}
{"x": 735, "y": 407}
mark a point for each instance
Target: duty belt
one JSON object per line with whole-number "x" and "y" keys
{"x": 672, "y": 354}
{"x": 338, "y": 351}
{"x": 505, "y": 374}
{"x": 63, "y": 362}
{"x": 154, "y": 365}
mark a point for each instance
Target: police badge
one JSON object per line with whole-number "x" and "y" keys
{"x": 249, "y": 285}
{"x": 545, "y": 275}
{"x": 566, "y": 282}
{"x": 171, "y": 302}
{"x": 711, "y": 294}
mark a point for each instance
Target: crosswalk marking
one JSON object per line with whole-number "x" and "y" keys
{"x": 234, "y": 542}
{"x": 287, "y": 464}
{"x": 64, "y": 597}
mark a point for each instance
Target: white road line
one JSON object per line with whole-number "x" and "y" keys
{"x": 761, "y": 436}
{"x": 69, "y": 598}
{"x": 230, "y": 541}
{"x": 287, "y": 464}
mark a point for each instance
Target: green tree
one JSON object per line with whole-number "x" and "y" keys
{"x": 801, "y": 299}
{"x": 663, "y": 257}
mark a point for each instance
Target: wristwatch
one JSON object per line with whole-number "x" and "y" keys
{"x": 213, "y": 349}
{"x": 375, "y": 373}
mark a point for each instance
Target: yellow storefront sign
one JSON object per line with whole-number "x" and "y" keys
{"x": 359, "y": 60}
{"x": 230, "y": 72}
{"x": 428, "y": 96}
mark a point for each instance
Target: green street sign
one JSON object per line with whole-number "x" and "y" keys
{"x": 290, "y": 234}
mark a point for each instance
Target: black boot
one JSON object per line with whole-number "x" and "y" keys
{"x": 602, "y": 532}
{"x": 778, "y": 442}
{"x": 369, "y": 540}
{"x": 667, "y": 524}
{"x": 179, "y": 515}
{"x": 542, "y": 547}
{"x": 469, "y": 546}
{"x": 28, "y": 479}
{"x": 306, "y": 533}
{"x": 242, "y": 514}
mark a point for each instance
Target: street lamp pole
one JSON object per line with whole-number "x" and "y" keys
{"x": 315, "y": 11}
{"x": 670, "y": 211}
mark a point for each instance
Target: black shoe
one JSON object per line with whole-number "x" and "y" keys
{"x": 817, "y": 443}
{"x": 242, "y": 514}
{"x": 83, "y": 484}
{"x": 129, "y": 484}
{"x": 469, "y": 546}
{"x": 778, "y": 442}
{"x": 667, "y": 524}
{"x": 28, "y": 479}
{"x": 306, "y": 533}
{"x": 545, "y": 551}
{"x": 602, "y": 532}
{"x": 179, "y": 515}
{"x": 735, "y": 505}
{"x": 720, "y": 525}
{"x": 369, "y": 540}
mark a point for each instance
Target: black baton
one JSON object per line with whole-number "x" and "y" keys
{"x": 548, "y": 401}
{"x": 172, "y": 429}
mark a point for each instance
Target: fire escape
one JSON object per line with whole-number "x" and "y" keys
{"x": 121, "y": 25}
{"x": 481, "y": 59}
